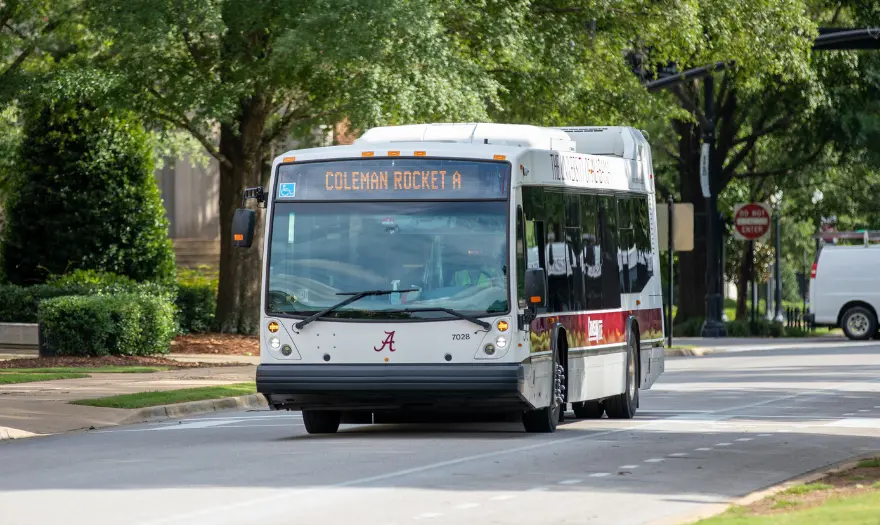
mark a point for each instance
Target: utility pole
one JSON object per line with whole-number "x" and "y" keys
{"x": 713, "y": 326}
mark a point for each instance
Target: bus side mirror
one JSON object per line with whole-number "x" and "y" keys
{"x": 243, "y": 223}
{"x": 536, "y": 287}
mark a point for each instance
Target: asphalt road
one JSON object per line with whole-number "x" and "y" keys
{"x": 712, "y": 429}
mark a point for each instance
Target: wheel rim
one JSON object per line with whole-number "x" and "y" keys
{"x": 858, "y": 324}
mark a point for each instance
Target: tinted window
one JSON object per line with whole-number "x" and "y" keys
{"x": 580, "y": 254}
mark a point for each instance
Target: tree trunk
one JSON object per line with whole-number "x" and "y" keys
{"x": 238, "y": 299}
{"x": 692, "y": 265}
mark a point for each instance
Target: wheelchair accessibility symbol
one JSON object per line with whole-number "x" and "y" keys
{"x": 287, "y": 189}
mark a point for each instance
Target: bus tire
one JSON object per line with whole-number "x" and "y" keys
{"x": 545, "y": 420}
{"x": 623, "y": 406}
{"x": 588, "y": 409}
{"x": 321, "y": 421}
{"x": 858, "y": 323}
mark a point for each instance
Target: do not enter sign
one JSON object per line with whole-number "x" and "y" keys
{"x": 751, "y": 222}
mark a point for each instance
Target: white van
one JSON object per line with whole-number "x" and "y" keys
{"x": 845, "y": 289}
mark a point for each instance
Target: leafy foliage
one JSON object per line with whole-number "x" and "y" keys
{"x": 107, "y": 325}
{"x": 196, "y": 301}
{"x": 84, "y": 196}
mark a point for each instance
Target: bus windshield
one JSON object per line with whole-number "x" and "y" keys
{"x": 439, "y": 254}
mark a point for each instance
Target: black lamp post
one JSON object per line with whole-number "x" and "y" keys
{"x": 713, "y": 326}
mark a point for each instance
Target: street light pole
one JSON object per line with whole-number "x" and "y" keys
{"x": 713, "y": 326}
{"x": 778, "y": 294}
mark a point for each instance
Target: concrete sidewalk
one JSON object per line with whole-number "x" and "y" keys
{"x": 749, "y": 344}
{"x": 44, "y": 407}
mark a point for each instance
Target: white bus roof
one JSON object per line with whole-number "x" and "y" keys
{"x": 613, "y": 158}
{"x": 518, "y": 135}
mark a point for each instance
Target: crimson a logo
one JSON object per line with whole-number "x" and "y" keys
{"x": 388, "y": 342}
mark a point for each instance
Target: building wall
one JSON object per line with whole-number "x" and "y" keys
{"x": 191, "y": 197}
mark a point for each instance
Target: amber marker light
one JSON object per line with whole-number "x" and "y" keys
{"x": 421, "y": 153}
{"x": 500, "y": 157}
{"x": 366, "y": 154}
{"x": 273, "y": 327}
{"x": 393, "y": 153}
{"x": 502, "y": 326}
{"x": 288, "y": 159}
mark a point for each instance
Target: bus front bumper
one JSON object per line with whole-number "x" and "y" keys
{"x": 343, "y": 387}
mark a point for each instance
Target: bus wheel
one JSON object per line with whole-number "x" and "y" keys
{"x": 588, "y": 409}
{"x": 321, "y": 421}
{"x": 545, "y": 419}
{"x": 623, "y": 406}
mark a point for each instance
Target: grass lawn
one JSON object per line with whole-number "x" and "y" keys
{"x": 8, "y": 378}
{"x": 93, "y": 369}
{"x": 846, "y": 498}
{"x": 169, "y": 397}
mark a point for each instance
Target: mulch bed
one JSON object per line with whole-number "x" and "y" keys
{"x": 213, "y": 343}
{"x": 111, "y": 360}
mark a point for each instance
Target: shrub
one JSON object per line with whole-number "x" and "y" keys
{"x": 196, "y": 300}
{"x": 18, "y": 304}
{"x": 85, "y": 196}
{"x": 99, "y": 325}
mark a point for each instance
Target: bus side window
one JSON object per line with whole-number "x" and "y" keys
{"x": 610, "y": 296}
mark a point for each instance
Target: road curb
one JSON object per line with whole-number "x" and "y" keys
{"x": 179, "y": 410}
{"x": 807, "y": 477}
{"x": 9, "y": 433}
{"x": 697, "y": 351}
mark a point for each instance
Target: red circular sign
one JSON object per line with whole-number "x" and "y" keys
{"x": 752, "y": 221}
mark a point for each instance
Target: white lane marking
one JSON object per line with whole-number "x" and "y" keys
{"x": 628, "y": 466}
{"x": 678, "y": 455}
{"x": 287, "y": 494}
{"x": 599, "y": 475}
{"x": 864, "y": 410}
{"x": 654, "y": 460}
{"x": 723, "y": 444}
{"x": 538, "y": 489}
{"x": 571, "y": 482}
{"x": 764, "y": 435}
{"x": 704, "y": 449}
{"x": 466, "y": 506}
{"x": 501, "y": 497}
{"x": 428, "y": 516}
{"x": 850, "y": 414}
{"x": 744, "y": 439}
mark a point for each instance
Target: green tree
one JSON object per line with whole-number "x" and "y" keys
{"x": 243, "y": 77}
{"x": 84, "y": 195}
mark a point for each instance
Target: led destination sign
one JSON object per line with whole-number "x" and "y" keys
{"x": 384, "y": 179}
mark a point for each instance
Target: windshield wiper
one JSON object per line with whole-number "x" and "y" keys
{"x": 354, "y": 297}
{"x": 450, "y": 311}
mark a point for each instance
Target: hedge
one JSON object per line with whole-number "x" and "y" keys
{"x": 99, "y": 325}
{"x": 19, "y": 304}
{"x": 196, "y": 299}
{"x": 194, "y": 295}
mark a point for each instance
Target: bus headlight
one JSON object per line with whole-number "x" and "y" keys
{"x": 501, "y": 342}
{"x": 275, "y": 343}
{"x": 489, "y": 349}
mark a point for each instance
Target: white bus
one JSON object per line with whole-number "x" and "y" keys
{"x": 451, "y": 269}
